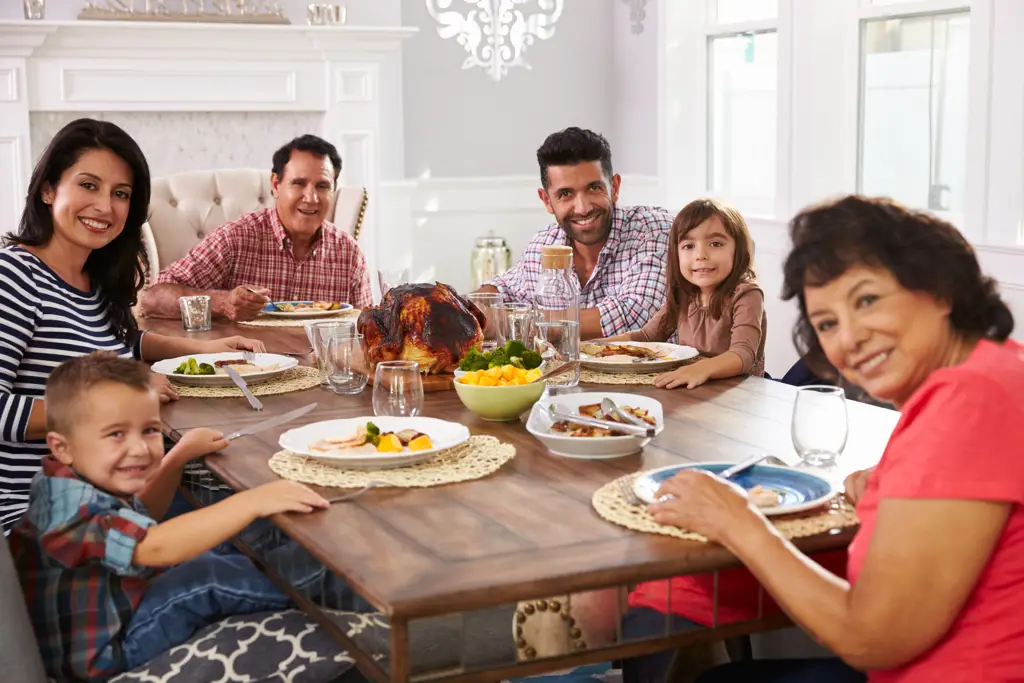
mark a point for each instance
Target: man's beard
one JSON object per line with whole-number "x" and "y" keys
{"x": 593, "y": 236}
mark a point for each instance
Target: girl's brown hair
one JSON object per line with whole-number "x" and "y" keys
{"x": 682, "y": 292}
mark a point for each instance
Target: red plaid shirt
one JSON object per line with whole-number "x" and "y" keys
{"x": 627, "y": 285}
{"x": 74, "y": 549}
{"x": 254, "y": 249}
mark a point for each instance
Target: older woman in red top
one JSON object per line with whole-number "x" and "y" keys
{"x": 896, "y": 302}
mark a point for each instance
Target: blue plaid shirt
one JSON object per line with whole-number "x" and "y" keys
{"x": 73, "y": 549}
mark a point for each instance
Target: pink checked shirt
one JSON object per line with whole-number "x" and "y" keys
{"x": 254, "y": 249}
{"x": 628, "y": 283}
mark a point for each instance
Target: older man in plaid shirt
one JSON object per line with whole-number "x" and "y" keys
{"x": 288, "y": 252}
{"x": 619, "y": 252}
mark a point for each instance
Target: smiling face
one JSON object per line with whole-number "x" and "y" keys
{"x": 882, "y": 337}
{"x": 706, "y": 255}
{"x": 303, "y": 193}
{"x": 581, "y": 199}
{"x": 115, "y": 440}
{"x": 90, "y": 203}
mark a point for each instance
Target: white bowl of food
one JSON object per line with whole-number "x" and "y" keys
{"x": 563, "y": 438}
{"x": 349, "y": 442}
{"x": 207, "y": 369}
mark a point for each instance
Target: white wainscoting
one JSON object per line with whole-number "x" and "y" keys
{"x": 431, "y": 224}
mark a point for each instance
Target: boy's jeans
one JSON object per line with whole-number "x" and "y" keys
{"x": 192, "y": 595}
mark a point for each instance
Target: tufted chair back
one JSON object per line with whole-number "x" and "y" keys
{"x": 185, "y": 207}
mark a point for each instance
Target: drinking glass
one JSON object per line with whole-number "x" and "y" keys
{"x": 514, "y": 322}
{"x": 486, "y": 302}
{"x": 319, "y": 334}
{"x": 346, "y": 366}
{"x": 558, "y": 342}
{"x": 393, "y": 277}
{"x": 196, "y": 313}
{"x": 397, "y": 389}
{"x": 819, "y": 425}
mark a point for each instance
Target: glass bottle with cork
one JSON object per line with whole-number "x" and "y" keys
{"x": 557, "y": 306}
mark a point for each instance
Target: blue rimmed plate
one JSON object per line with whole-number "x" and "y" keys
{"x": 304, "y": 309}
{"x": 798, "y": 489}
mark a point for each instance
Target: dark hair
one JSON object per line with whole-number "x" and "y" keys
{"x": 118, "y": 269}
{"x": 573, "y": 146}
{"x": 306, "y": 143}
{"x": 72, "y": 379}
{"x": 924, "y": 254}
{"x": 682, "y": 292}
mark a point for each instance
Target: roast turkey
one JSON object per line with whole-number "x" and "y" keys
{"x": 426, "y": 323}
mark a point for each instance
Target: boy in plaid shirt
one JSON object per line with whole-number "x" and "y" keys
{"x": 107, "y": 585}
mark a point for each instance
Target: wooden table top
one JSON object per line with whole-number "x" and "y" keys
{"x": 527, "y": 531}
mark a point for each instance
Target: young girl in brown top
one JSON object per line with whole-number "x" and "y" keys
{"x": 714, "y": 303}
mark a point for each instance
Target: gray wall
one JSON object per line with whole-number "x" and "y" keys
{"x": 634, "y": 102}
{"x": 461, "y": 123}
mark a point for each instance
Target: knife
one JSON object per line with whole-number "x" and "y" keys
{"x": 634, "y": 430}
{"x": 240, "y": 383}
{"x": 272, "y": 422}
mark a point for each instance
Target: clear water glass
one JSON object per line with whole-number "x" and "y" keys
{"x": 346, "y": 364}
{"x": 820, "y": 426}
{"x": 486, "y": 302}
{"x": 196, "y": 313}
{"x": 515, "y": 323}
{"x": 319, "y": 334}
{"x": 397, "y": 389}
{"x": 558, "y": 342}
{"x": 392, "y": 277}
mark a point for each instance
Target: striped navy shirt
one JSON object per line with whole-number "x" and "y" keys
{"x": 44, "y": 321}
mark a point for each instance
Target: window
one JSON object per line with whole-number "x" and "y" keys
{"x": 913, "y": 109}
{"x": 742, "y": 103}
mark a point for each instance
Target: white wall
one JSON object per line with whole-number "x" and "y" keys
{"x": 634, "y": 91}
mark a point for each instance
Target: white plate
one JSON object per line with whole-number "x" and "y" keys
{"x": 167, "y": 367}
{"x": 597, "y": 448}
{"x": 675, "y": 356}
{"x": 272, "y": 312}
{"x": 443, "y": 435}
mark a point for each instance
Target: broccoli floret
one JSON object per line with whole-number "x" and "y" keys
{"x": 514, "y": 348}
{"x": 474, "y": 360}
{"x": 372, "y": 434}
{"x": 206, "y": 369}
{"x": 498, "y": 358}
{"x": 181, "y": 369}
{"x": 531, "y": 360}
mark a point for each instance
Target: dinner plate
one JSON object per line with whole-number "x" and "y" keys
{"x": 587, "y": 448}
{"x": 800, "y": 490}
{"x": 443, "y": 435}
{"x": 277, "y": 364}
{"x": 272, "y": 312}
{"x": 674, "y": 356}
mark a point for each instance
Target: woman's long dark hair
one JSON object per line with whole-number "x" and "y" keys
{"x": 924, "y": 254}
{"x": 118, "y": 270}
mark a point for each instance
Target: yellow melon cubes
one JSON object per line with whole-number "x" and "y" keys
{"x": 420, "y": 443}
{"x": 504, "y": 376}
{"x": 390, "y": 443}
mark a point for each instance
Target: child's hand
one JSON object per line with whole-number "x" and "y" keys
{"x": 196, "y": 443}
{"x": 690, "y": 376}
{"x": 285, "y": 496}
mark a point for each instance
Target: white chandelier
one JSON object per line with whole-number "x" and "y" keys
{"x": 495, "y": 33}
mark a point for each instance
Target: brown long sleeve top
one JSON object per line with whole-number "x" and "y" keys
{"x": 742, "y": 328}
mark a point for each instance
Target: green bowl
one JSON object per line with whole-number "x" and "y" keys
{"x": 499, "y": 404}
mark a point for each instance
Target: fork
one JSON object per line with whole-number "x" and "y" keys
{"x": 350, "y": 496}
{"x": 249, "y": 356}
{"x": 625, "y": 485}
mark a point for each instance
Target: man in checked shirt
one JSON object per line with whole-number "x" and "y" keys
{"x": 619, "y": 252}
{"x": 288, "y": 252}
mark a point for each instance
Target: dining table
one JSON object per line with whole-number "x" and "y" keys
{"x": 437, "y": 563}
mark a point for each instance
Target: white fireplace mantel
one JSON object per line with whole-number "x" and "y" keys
{"x": 139, "y": 66}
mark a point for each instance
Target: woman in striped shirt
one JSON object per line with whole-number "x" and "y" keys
{"x": 68, "y": 281}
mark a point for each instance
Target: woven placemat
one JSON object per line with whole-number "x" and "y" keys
{"x": 299, "y": 322}
{"x": 297, "y": 379}
{"x": 595, "y": 377}
{"x": 612, "y": 506}
{"x": 477, "y": 458}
